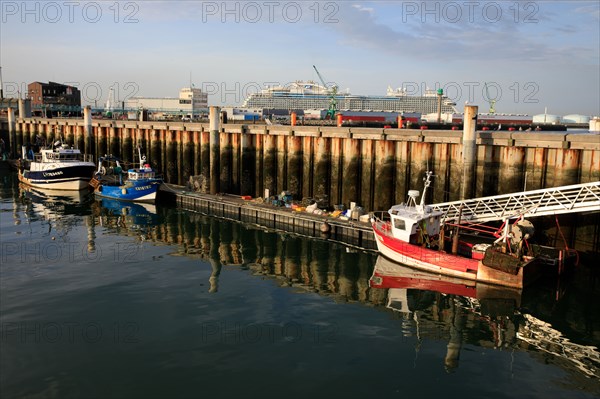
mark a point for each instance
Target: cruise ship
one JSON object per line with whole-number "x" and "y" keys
{"x": 302, "y": 95}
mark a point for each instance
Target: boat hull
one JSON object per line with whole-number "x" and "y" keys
{"x": 442, "y": 263}
{"x": 139, "y": 192}
{"x": 71, "y": 178}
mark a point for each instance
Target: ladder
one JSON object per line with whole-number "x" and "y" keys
{"x": 549, "y": 201}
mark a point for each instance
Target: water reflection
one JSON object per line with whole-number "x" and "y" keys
{"x": 462, "y": 311}
{"x": 431, "y": 308}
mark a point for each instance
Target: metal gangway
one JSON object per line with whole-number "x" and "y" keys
{"x": 549, "y": 201}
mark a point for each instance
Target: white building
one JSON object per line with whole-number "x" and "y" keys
{"x": 242, "y": 114}
{"x": 191, "y": 103}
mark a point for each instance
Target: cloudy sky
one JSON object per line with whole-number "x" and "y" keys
{"x": 532, "y": 54}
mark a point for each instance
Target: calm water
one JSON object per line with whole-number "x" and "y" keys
{"x": 101, "y": 301}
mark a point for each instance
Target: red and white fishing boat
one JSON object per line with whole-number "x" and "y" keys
{"x": 412, "y": 234}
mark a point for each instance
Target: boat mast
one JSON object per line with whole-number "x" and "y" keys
{"x": 427, "y": 180}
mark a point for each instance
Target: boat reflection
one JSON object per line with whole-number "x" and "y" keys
{"x": 125, "y": 214}
{"x": 59, "y": 210}
{"x": 464, "y": 312}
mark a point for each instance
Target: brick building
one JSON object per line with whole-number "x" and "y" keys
{"x": 54, "y": 98}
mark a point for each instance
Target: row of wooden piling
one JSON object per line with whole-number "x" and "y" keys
{"x": 374, "y": 167}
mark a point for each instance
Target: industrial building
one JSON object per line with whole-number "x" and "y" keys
{"x": 190, "y": 104}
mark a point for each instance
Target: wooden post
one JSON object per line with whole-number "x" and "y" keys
{"x": 469, "y": 155}
{"x": 215, "y": 151}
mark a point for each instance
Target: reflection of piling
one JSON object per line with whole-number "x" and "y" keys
{"x": 215, "y": 152}
{"x": 91, "y": 234}
{"x": 214, "y": 275}
{"x": 347, "y": 276}
{"x": 457, "y": 322}
{"x": 469, "y": 159}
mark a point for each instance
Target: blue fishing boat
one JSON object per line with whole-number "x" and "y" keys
{"x": 137, "y": 184}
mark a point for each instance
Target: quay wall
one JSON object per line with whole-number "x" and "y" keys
{"x": 373, "y": 167}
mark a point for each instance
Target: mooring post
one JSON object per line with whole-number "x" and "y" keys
{"x": 469, "y": 154}
{"x": 215, "y": 151}
{"x": 12, "y": 133}
{"x": 88, "y": 131}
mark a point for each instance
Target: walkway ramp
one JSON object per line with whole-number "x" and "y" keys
{"x": 549, "y": 201}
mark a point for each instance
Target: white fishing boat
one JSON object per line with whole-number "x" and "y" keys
{"x": 58, "y": 168}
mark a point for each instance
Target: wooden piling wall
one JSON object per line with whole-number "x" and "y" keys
{"x": 373, "y": 167}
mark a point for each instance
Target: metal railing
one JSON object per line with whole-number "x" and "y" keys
{"x": 549, "y": 201}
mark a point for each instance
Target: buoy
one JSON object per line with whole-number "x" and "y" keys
{"x": 124, "y": 191}
{"x": 325, "y": 227}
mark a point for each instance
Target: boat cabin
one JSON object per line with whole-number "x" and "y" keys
{"x": 60, "y": 155}
{"x": 410, "y": 222}
{"x": 141, "y": 174}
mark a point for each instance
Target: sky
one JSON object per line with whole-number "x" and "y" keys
{"x": 533, "y": 56}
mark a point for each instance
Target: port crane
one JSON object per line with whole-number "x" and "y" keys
{"x": 332, "y": 93}
{"x": 490, "y": 100}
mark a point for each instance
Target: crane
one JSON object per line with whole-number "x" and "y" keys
{"x": 332, "y": 93}
{"x": 490, "y": 100}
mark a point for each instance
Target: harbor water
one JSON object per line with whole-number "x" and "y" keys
{"x": 104, "y": 299}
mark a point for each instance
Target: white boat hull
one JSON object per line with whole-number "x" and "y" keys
{"x": 73, "y": 184}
